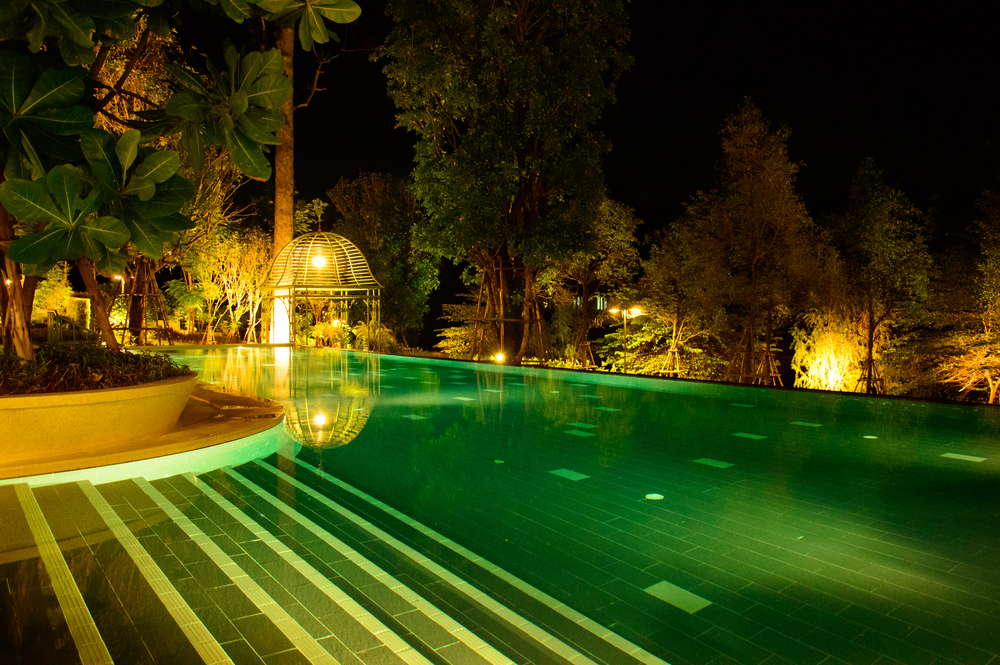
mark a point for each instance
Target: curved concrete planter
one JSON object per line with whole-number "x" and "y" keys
{"x": 36, "y": 428}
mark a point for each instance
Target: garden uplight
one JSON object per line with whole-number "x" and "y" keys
{"x": 499, "y": 357}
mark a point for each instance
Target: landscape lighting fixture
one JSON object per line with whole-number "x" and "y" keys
{"x": 319, "y": 261}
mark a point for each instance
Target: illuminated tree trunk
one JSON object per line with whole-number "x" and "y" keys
{"x": 17, "y": 309}
{"x": 100, "y": 310}
{"x": 284, "y": 154}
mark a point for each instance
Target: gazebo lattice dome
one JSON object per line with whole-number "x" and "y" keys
{"x": 321, "y": 261}
{"x": 319, "y": 266}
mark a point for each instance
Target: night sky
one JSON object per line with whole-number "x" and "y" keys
{"x": 917, "y": 89}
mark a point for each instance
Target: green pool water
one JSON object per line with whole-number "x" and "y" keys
{"x": 792, "y": 525}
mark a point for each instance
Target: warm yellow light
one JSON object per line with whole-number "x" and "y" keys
{"x": 635, "y": 311}
{"x": 319, "y": 261}
{"x": 118, "y": 277}
{"x": 613, "y": 311}
{"x": 499, "y": 357}
{"x": 319, "y": 420}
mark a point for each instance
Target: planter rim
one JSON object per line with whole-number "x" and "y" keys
{"x": 87, "y": 396}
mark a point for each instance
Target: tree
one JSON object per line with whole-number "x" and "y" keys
{"x": 606, "y": 269}
{"x": 677, "y": 292}
{"x": 87, "y": 192}
{"x": 503, "y": 98}
{"x": 753, "y": 235}
{"x": 885, "y": 258}
{"x": 379, "y": 214}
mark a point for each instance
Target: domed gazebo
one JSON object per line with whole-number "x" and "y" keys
{"x": 322, "y": 266}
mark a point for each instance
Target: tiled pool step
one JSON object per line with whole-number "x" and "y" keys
{"x": 266, "y": 563}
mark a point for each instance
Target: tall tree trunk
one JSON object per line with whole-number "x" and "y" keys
{"x": 17, "y": 313}
{"x": 526, "y": 313}
{"x": 99, "y": 308}
{"x": 870, "y": 362}
{"x": 284, "y": 154}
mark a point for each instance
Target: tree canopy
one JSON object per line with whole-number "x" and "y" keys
{"x": 503, "y": 98}
{"x": 751, "y": 235}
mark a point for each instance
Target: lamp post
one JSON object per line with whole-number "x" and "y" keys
{"x": 627, "y": 313}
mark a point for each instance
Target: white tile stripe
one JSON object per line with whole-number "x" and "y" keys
{"x": 585, "y": 622}
{"x": 545, "y": 639}
{"x": 201, "y": 639}
{"x": 337, "y": 595}
{"x": 295, "y": 633}
{"x": 88, "y": 640}
{"x": 466, "y": 636}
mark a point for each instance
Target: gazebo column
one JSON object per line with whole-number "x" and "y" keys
{"x": 281, "y": 324}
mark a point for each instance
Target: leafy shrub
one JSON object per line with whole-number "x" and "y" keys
{"x": 64, "y": 368}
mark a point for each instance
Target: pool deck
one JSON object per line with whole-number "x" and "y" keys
{"x": 213, "y": 415}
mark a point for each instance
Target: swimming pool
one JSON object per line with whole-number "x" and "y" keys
{"x": 445, "y": 512}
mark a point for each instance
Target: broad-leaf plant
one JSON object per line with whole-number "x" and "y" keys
{"x": 84, "y": 195}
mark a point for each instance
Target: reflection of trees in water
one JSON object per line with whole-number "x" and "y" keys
{"x": 32, "y": 631}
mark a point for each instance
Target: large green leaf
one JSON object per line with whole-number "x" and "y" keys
{"x": 272, "y": 62}
{"x": 256, "y": 131}
{"x": 189, "y": 106}
{"x": 66, "y": 184}
{"x": 247, "y": 155}
{"x": 15, "y": 80}
{"x": 75, "y": 54}
{"x": 339, "y": 11}
{"x": 99, "y": 151}
{"x": 193, "y": 144}
{"x": 159, "y": 166}
{"x": 55, "y": 88}
{"x": 76, "y": 26}
{"x": 38, "y": 269}
{"x": 38, "y": 247}
{"x": 173, "y": 223}
{"x": 312, "y": 28}
{"x": 111, "y": 263}
{"x": 69, "y": 247}
{"x": 250, "y": 68}
{"x": 139, "y": 187}
{"x": 15, "y": 18}
{"x": 107, "y": 230}
{"x": 236, "y": 10}
{"x": 270, "y": 91}
{"x": 30, "y": 202}
{"x": 63, "y": 121}
{"x": 146, "y": 239}
{"x": 127, "y": 147}
{"x": 170, "y": 197}
{"x": 188, "y": 80}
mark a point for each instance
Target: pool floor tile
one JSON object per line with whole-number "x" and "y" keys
{"x": 678, "y": 597}
{"x": 571, "y": 475}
